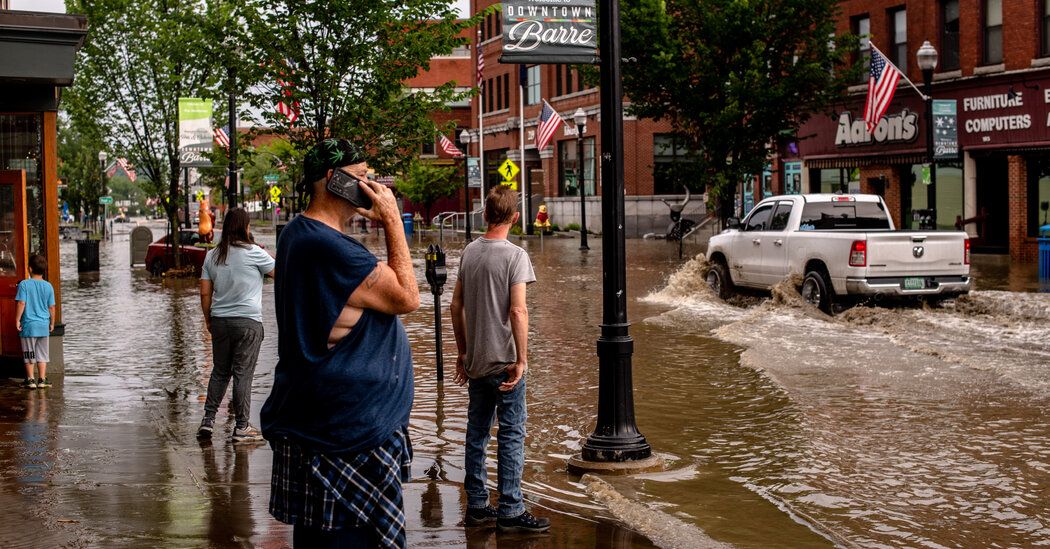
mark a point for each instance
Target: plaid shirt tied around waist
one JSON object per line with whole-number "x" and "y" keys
{"x": 325, "y": 491}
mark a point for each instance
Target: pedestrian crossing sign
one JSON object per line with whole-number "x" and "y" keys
{"x": 509, "y": 170}
{"x": 275, "y": 194}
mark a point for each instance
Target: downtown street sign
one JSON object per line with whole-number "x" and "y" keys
{"x": 537, "y": 31}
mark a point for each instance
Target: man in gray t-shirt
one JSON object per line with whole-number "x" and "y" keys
{"x": 491, "y": 322}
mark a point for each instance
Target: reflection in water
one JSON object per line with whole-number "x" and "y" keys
{"x": 230, "y": 520}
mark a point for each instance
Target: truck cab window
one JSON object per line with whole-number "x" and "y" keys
{"x": 779, "y": 220}
{"x": 759, "y": 219}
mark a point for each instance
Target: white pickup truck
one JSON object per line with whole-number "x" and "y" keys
{"x": 841, "y": 245}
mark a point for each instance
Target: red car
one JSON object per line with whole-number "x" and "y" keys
{"x": 160, "y": 256}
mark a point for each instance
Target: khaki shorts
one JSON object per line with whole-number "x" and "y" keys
{"x": 34, "y": 349}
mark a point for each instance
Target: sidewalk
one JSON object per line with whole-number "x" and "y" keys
{"x": 87, "y": 464}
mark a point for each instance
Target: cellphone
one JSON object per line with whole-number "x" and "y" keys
{"x": 348, "y": 188}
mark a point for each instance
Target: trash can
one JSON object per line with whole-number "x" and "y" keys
{"x": 406, "y": 219}
{"x": 1044, "y": 255}
{"x": 87, "y": 256}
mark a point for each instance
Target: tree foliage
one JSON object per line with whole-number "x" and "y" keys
{"x": 78, "y": 167}
{"x": 343, "y": 65}
{"x": 139, "y": 57}
{"x": 734, "y": 77}
{"x": 425, "y": 183}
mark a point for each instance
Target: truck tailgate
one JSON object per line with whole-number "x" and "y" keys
{"x": 916, "y": 253}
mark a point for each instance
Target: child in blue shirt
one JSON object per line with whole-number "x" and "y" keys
{"x": 35, "y": 320}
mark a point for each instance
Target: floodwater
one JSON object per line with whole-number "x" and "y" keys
{"x": 780, "y": 427}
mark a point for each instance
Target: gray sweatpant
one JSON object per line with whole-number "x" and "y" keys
{"x": 235, "y": 349}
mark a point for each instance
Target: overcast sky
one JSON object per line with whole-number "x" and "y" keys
{"x": 60, "y": 5}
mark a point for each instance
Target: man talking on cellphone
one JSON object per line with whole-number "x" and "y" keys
{"x": 337, "y": 417}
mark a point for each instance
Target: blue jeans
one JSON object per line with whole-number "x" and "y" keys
{"x": 486, "y": 400}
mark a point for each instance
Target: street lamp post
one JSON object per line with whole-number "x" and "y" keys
{"x": 464, "y": 138}
{"x": 231, "y": 190}
{"x": 927, "y": 58}
{"x": 615, "y": 442}
{"x": 102, "y": 187}
{"x": 580, "y": 118}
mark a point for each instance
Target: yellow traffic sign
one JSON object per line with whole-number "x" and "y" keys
{"x": 513, "y": 184}
{"x": 199, "y": 196}
{"x": 508, "y": 170}
{"x": 275, "y": 194}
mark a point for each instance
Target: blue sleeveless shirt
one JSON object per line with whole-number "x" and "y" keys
{"x": 349, "y": 398}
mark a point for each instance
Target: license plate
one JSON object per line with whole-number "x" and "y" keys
{"x": 914, "y": 283}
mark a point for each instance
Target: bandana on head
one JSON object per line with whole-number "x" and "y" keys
{"x": 327, "y": 155}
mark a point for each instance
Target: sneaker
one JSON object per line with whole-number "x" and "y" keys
{"x": 524, "y": 522}
{"x": 482, "y": 516}
{"x": 29, "y": 383}
{"x": 43, "y": 383}
{"x": 207, "y": 426}
{"x": 246, "y": 434}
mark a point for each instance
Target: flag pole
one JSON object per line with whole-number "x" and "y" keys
{"x": 481, "y": 125}
{"x": 903, "y": 75}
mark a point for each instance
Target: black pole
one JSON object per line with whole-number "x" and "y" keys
{"x": 436, "y": 290}
{"x": 931, "y": 190}
{"x": 615, "y": 436}
{"x": 102, "y": 192}
{"x": 186, "y": 179}
{"x": 529, "y": 225}
{"x": 232, "y": 170}
{"x": 582, "y": 187}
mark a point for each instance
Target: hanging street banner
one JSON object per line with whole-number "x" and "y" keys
{"x": 195, "y": 135}
{"x": 945, "y": 129}
{"x": 550, "y": 32}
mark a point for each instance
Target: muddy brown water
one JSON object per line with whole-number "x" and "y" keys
{"x": 781, "y": 428}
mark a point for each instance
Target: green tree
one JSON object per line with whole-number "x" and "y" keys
{"x": 78, "y": 167}
{"x": 425, "y": 183}
{"x": 733, "y": 77}
{"x": 342, "y": 65}
{"x": 140, "y": 56}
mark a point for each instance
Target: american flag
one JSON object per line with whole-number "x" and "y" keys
{"x": 287, "y": 106}
{"x": 882, "y": 84}
{"x": 449, "y": 147}
{"x": 481, "y": 67}
{"x": 550, "y": 121}
{"x": 222, "y": 139}
{"x": 123, "y": 163}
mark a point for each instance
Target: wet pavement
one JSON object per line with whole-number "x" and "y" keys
{"x": 781, "y": 427}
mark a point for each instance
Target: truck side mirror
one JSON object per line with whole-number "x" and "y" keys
{"x": 733, "y": 223}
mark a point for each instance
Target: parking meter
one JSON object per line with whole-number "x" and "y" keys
{"x": 437, "y": 275}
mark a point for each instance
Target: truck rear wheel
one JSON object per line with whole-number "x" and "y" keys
{"x": 816, "y": 290}
{"x": 718, "y": 280}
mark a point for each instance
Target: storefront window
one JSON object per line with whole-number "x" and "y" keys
{"x": 827, "y": 180}
{"x": 949, "y": 202}
{"x": 949, "y": 50}
{"x": 1038, "y": 195}
{"x": 792, "y": 177}
{"x": 567, "y": 184}
{"x": 7, "y": 231}
{"x": 993, "y": 31}
{"x": 21, "y": 147}
{"x": 673, "y": 165}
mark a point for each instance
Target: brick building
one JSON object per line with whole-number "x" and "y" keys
{"x": 994, "y": 60}
{"x": 551, "y": 173}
